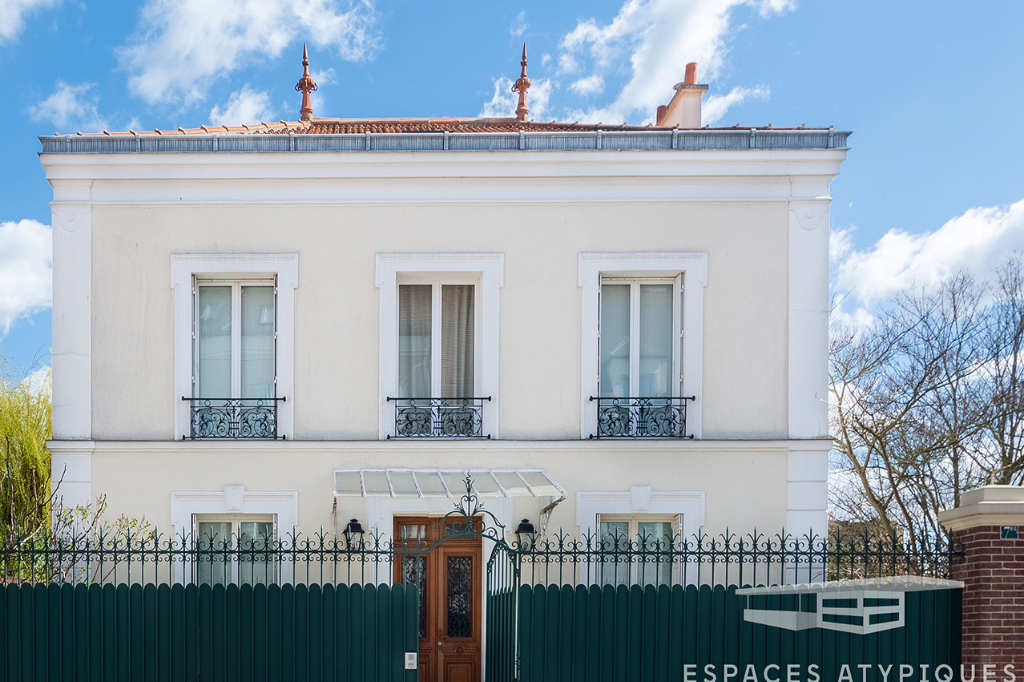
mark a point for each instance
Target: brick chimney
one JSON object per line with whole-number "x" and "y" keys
{"x": 684, "y": 109}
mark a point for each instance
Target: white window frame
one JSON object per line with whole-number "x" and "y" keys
{"x": 436, "y": 281}
{"x": 233, "y": 499}
{"x": 236, "y": 285}
{"x": 687, "y": 505}
{"x": 489, "y": 268}
{"x": 633, "y": 522}
{"x": 187, "y": 267}
{"x": 236, "y": 520}
{"x": 691, "y": 266}
{"x": 634, "y": 330}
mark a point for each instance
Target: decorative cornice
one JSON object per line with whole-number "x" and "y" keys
{"x": 646, "y": 140}
{"x": 583, "y": 446}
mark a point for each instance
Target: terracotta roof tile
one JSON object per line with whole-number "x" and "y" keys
{"x": 336, "y": 126}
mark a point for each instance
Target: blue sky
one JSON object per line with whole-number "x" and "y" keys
{"x": 932, "y": 92}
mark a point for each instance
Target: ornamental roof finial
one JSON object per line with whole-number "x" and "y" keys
{"x": 305, "y": 86}
{"x": 521, "y": 86}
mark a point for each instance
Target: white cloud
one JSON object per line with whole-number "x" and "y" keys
{"x": 519, "y": 26}
{"x": 323, "y": 77}
{"x": 70, "y": 106}
{"x": 39, "y": 381}
{"x": 504, "y": 102}
{"x": 25, "y": 264}
{"x": 715, "y": 106}
{"x": 12, "y": 15}
{"x": 977, "y": 241}
{"x": 566, "y": 64}
{"x": 657, "y": 38}
{"x": 244, "y": 106}
{"x": 590, "y": 85}
{"x": 182, "y": 46}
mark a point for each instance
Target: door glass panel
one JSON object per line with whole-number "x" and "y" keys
{"x": 414, "y": 572}
{"x": 414, "y": 303}
{"x": 212, "y": 565}
{"x": 413, "y": 534}
{"x": 257, "y": 342}
{"x": 655, "y": 568}
{"x": 615, "y": 340}
{"x": 655, "y": 340}
{"x": 614, "y": 543}
{"x": 255, "y": 539}
{"x": 213, "y": 375}
{"x": 460, "y": 596}
{"x": 457, "y": 341}
{"x": 414, "y": 568}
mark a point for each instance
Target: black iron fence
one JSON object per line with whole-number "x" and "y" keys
{"x": 641, "y": 417}
{"x": 562, "y": 559}
{"x": 233, "y": 417}
{"x": 439, "y": 417}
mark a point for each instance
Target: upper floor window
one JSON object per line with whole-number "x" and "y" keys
{"x": 436, "y": 340}
{"x": 642, "y": 344}
{"x": 438, "y": 389}
{"x": 640, "y": 338}
{"x": 439, "y": 344}
{"x": 234, "y": 377}
{"x": 234, "y": 344}
{"x": 235, "y": 340}
{"x": 640, "y": 376}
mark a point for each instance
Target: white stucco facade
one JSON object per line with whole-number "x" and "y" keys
{"x": 748, "y": 231}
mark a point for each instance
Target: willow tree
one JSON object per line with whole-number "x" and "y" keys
{"x": 25, "y": 483}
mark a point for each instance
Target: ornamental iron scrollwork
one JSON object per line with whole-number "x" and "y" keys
{"x": 233, "y": 417}
{"x": 641, "y": 417}
{"x": 439, "y": 417}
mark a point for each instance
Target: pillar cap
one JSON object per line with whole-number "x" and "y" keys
{"x": 992, "y": 505}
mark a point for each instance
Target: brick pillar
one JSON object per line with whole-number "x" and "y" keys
{"x": 989, "y": 523}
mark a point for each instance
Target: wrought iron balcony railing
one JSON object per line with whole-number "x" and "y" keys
{"x": 439, "y": 417}
{"x": 233, "y": 417}
{"x": 641, "y": 417}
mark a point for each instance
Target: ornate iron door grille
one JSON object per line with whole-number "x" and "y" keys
{"x": 641, "y": 417}
{"x": 233, "y": 417}
{"x": 439, "y": 417}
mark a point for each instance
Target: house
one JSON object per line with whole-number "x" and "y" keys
{"x": 327, "y": 323}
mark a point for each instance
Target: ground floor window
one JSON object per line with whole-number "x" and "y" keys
{"x": 638, "y": 549}
{"x": 235, "y": 549}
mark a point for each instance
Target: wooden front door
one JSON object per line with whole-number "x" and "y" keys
{"x": 451, "y": 596}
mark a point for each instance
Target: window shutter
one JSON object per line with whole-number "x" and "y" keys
{"x": 677, "y": 321}
{"x": 275, "y": 366}
{"x": 598, "y": 358}
{"x": 195, "y": 346}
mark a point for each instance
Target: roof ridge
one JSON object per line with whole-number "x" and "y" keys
{"x": 478, "y": 124}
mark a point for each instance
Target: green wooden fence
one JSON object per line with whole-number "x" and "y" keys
{"x": 74, "y": 633}
{"x": 626, "y": 634}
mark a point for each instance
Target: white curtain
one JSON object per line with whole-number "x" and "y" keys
{"x": 457, "y": 341}
{"x": 615, "y": 340}
{"x": 213, "y": 375}
{"x": 614, "y": 538}
{"x": 414, "y": 319}
{"x": 256, "y": 567}
{"x": 257, "y": 342}
{"x": 213, "y": 536}
{"x": 655, "y": 340}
